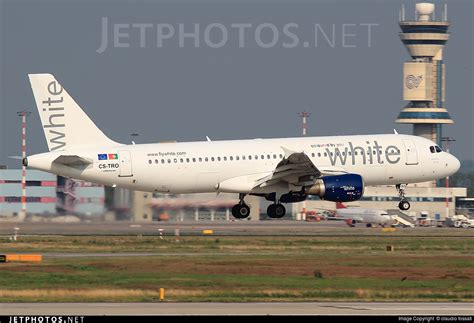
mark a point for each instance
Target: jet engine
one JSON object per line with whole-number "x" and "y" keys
{"x": 338, "y": 188}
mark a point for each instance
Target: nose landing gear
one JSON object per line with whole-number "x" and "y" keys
{"x": 404, "y": 204}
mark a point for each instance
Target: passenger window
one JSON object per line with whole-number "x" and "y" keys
{"x": 181, "y": 160}
{"x": 319, "y": 154}
{"x": 206, "y": 159}
{"x": 325, "y": 154}
{"x": 187, "y": 160}
{"x": 225, "y": 158}
{"x": 194, "y": 160}
{"x": 268, "y": 156}
{"x": 274, "y": 156}
{"x": 250, "y": 157}
{"x": 156, "y": 161}
{"x": 200, "y": 159}
{"x": 332, "y": 154}
{"x": 312, "y": 155}
{"x": 162, "y": 161}
{"x": 212, "y": 158}
{"x": 169, "y": 161}
{"x": 149, "y": 161}
{"x": 256, "y": 157}
{"x": 243, "y": 157}
{"x": 236, "y": 157}
{"x": 218, "y": 159}
{"x": 175, "y": 160}
{"x": 432, "y": 149}
{"x": 231, "y": 158}
{"x": 281, "y": 156}
{"x": 263, "y": 157}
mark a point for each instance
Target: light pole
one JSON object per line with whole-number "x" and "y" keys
{"x": 447, "y": 140}
{"x": 304, "y": 115}
{"x": 23, "y": 114}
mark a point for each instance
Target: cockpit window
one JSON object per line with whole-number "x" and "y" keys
{"x": 438, "y": 150}
{"x": 432, "y": 149}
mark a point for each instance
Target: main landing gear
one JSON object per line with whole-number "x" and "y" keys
{"x": 276, "y": 211}
{"x": 404, "y": 204}
{"x": 241, "y": 210}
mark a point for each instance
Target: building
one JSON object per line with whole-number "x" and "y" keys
{"x": 424, "y": 83}
{"x": 433, "y": 202}
{"x": 40, "y": 192}
{"x": 49, "y": 195}
{"x": 149, "y": 207}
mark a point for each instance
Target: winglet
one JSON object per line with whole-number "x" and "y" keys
{"x": 395, "y": 131}
{"x": 208, "y": 139}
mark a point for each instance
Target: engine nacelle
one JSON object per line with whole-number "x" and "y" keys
{"x": 293, "y": 197}
{"x": 338, "y": 188}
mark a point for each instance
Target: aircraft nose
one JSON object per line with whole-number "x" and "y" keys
{"x": 453, "y": 164}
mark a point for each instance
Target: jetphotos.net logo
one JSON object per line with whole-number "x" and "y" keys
{"x": 107, "y": 156}
{"x": 238, "y": 34}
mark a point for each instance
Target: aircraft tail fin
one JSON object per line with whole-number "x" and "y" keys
{"x": 65, "y": 124}
{"x": 340, "y": 205}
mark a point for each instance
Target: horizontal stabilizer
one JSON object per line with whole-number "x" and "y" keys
{"x": 72, "y": 160}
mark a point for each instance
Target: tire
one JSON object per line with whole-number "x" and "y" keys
{"x": 240, "y": 211}
{"x": 280, "y": 211}
{"x": 271, "y": 211}
{"x": 404, "y": 205}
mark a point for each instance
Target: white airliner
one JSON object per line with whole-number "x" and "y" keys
{"x": 284, "y": 170}
{"x": 353, "y": 215}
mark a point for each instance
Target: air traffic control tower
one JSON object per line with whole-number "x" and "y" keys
{"x": 424, "y": 75}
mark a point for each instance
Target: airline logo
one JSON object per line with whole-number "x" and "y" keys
{"x": 107, "y": 156}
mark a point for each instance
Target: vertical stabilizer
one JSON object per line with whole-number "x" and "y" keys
{"x": 65, "y": 124}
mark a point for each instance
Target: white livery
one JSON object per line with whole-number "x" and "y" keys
{"x": 283, "y": 170}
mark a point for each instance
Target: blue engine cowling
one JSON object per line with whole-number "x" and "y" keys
{"x": 339, "y": 188}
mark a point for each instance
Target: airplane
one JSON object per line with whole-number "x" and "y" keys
{"x": 352, "y": 215}
{"x": 282, "y": 170}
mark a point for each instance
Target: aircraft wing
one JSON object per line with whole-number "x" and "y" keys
{"x": 297, "y": 168}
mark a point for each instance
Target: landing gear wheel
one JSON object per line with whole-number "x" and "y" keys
{"x": 404, "y": 205}
{"x": 276, "y": 211}
{"x": 240, "y": 211}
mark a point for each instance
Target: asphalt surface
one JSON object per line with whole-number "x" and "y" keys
{"x": 237, "y": 228}
{"x": 325, "y": 308}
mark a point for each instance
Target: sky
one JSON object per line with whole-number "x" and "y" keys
{"x": 184, "y": 70}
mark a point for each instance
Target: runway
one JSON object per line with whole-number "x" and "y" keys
{"x": 232, "y": 228}
{"x": 325, "y": 308}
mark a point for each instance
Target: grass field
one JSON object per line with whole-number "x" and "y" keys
{"x": 241, "y": 269}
